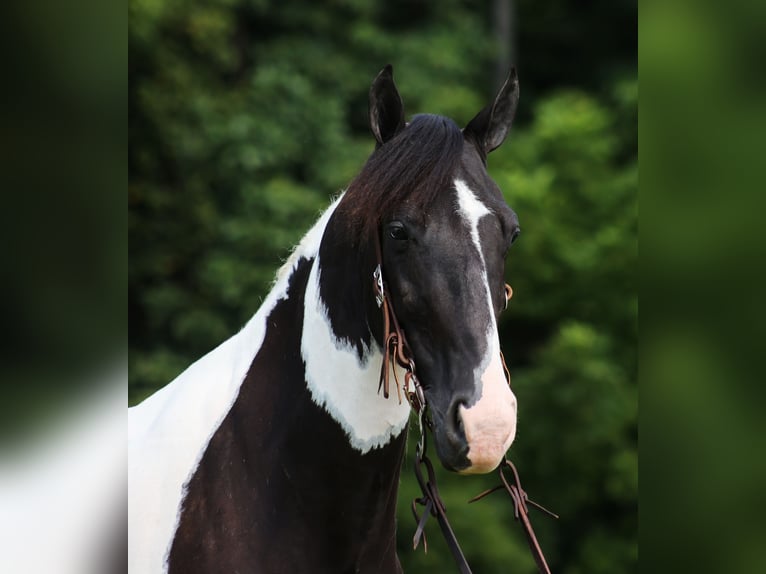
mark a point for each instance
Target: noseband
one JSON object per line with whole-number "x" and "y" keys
{"x": 397, "y": 352}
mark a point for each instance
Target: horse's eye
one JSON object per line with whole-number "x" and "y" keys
{"x": 397, "y": 231}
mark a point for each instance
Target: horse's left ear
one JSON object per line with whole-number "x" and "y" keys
{"x": 491, "y": 125}
{"x": 386, "y": 109}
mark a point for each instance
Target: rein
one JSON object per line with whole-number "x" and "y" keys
{"x": 396, "y": 351}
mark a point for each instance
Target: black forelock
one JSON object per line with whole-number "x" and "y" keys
{"x": 412, "y": 168}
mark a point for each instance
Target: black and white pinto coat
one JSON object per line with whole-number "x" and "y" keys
{"x": 275, "y": 452}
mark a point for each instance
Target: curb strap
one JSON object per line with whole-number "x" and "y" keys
{"x": 396, "y": 352}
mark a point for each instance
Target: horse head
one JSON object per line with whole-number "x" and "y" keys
{"x": 442, "y": 230}
{"x": 221, "y": 464}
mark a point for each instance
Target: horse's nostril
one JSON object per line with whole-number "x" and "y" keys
{"x": 457, "y": 418}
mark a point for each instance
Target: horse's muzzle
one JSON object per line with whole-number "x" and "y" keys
{"x": 474, "y": 440}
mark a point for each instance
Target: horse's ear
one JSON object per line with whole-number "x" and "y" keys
{"x": 491, "y": 125}
{"x": 386, "y": 109}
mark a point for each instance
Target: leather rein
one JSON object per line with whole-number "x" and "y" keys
{"x": 397, "y": 352}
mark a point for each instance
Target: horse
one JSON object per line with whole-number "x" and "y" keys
{"x": 277, "y": 452}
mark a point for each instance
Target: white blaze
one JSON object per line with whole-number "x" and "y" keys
{"x": 490, "y": 424}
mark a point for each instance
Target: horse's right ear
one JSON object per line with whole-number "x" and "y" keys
{"x": 492, "y": 124}
{"x": 386, "y": 109}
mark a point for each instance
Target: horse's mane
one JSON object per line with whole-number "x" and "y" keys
{"x": 410, "y": 169}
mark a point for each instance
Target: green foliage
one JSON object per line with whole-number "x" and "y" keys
{"x": 247, "y": 116}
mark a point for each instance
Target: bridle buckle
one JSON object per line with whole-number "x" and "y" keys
{"x": 377, "y": 277}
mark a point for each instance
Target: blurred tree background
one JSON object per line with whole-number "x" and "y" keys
{"x": 246, "y": 116}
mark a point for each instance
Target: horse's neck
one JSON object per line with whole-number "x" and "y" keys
{"x": 308, "y": 447}
{"x": 311, "y": 368}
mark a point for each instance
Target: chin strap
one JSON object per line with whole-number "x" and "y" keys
{"x": 397, "y": 352}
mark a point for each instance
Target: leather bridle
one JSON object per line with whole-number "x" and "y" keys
{"x": 397, "y": 352}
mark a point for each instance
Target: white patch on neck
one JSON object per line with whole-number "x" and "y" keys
{"x": 169, "y": 432}
{"x": 345, "y": 386}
